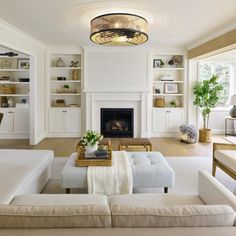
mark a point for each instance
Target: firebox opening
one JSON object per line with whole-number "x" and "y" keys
{"x": 117, "y": 122}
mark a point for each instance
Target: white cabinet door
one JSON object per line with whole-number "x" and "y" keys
{"x": 6, "y": 126}
{"x": 167, "y": 120}
{"x": 64, "y": 121}
{"x": 175, "y": 120}
{"x": 56, "y": 121}
{"x": 159, "y": 121}
{"x": 20, "y": 122}
{"x": 73, "y": 121}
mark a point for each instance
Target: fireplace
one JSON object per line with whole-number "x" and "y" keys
{"x": 117, "y": 122}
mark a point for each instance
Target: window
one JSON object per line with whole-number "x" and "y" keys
{"x": 225, "y": 73}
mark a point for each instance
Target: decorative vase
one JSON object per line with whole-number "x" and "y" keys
{"x": 90, "y": 149}
{"x": 10, "y": 102}
{"x": 60, "y": 62}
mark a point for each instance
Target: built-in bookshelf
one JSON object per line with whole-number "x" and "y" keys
{"x": 14, "y": 81}
{"x": 65, "y": 80}
{"x": 168, "y": 80}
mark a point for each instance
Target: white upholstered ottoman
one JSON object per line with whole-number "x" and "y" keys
{"x": 149, "y": 170}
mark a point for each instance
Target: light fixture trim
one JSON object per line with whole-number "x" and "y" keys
{"x": 127, "y": 32}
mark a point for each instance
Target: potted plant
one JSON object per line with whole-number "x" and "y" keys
{"x": 173, "y": 103}
{"x": 66, "y": 87}
{"x": 206, "y": 95}
{"x": 90, "y": 140}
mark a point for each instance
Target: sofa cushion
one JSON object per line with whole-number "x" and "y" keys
{"x": 227, "y": 157}
{"x": 54, "y": 216}
{"x": 155, "y": 199}
{"x": 60, "y": 199}
{"x": 177, "y": 216}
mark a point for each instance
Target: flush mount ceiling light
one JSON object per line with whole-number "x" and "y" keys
{"x": 119, "y": 29}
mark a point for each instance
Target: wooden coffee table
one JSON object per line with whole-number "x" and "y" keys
{"x": 135, "y": 142}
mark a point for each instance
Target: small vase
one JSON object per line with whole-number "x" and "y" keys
{"x": 90, "y": 149}
{"x": 60, "y": 62}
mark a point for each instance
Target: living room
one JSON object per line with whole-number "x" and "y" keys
{"x": 63, "y": 74}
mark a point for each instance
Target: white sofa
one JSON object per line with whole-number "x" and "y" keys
{"x": 211, "y": 212}
{"x": 23, "y": 172}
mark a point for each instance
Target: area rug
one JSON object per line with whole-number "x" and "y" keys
{"x": 185, "y": 168}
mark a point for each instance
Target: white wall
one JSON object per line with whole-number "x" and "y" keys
{"x": 119, "y": 69}
{"x": 17, "y": 40}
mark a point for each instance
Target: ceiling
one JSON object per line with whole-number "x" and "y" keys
{"x": 172, "y": 23}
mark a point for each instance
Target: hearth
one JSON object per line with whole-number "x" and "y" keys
{"x": 117, "y": 122}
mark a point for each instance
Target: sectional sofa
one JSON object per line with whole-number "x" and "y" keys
{"x": 23, "y": 172}
{"x": 211, "y": 212}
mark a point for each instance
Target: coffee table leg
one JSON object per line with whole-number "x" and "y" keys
{"x": 67, "y": 190}
{"x": 165, "y": 189}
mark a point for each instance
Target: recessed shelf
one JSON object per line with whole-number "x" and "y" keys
{"x": 168, "y": 68}
{"x": 18, "y": 70}
{"x": 165, "y": 94}
{"x": 65, "y": 94}
{"x": 14, "y": 95}
{"x": 168, "y": 81}
{"x": 12, "y": 82}
{"x": 169, "y": 108}
{"x": 65, "y": 81}
{"x": 59, "y": 108}
{"x": 65, "y": 68}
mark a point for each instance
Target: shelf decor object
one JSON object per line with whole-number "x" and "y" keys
{"x": 60, "y": 62}
{"x": 232, "y": 101}
{"x": 160, "y": 102}
{"x": 119, "y": 29}
{"x": 23, "y": 63}
{"x": 171, "y": 88}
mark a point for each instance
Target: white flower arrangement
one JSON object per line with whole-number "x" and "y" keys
{"x": 91, "y": 137}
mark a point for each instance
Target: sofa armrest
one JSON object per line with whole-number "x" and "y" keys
{"x": 223, "y": 146}
{"x": 212, "y": 192}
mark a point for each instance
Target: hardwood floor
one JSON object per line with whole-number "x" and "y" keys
{"x": 63, "y": 147}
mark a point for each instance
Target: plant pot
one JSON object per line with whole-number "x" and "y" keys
{"x": 90, "y": 149}
{"x": 205, "y": 135}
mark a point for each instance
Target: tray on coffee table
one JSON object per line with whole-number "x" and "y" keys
{"x": 82, "y": 161}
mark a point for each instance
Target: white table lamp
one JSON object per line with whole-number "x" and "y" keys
{"x": 232, "y": 101}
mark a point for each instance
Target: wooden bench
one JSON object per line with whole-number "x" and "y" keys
{"x": 135, "y": 142}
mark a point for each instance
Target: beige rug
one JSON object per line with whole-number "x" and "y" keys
{"x": 231, "y": 139}
{"x": 186, "y": 169}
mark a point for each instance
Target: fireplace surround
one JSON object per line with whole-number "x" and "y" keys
{"x": 117, "y": 122}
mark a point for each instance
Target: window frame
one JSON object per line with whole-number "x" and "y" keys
{"x": 232, "y": 88}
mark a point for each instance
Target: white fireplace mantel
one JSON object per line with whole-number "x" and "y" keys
{"x": 136, "y": 100}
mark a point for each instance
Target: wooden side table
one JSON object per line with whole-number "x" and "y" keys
{"x": 226, "y": 124}
{"x": 135, "y": 142}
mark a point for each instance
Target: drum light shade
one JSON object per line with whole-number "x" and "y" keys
{"x": 119, "y": 29}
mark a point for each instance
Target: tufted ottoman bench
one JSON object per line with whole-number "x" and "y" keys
{"x": 149, "y": 170}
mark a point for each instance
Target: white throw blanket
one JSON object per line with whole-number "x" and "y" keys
{"x": 115, "y": 179}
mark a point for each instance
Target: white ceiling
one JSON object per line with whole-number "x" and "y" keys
{"x": 172, "y": 23}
